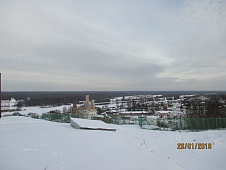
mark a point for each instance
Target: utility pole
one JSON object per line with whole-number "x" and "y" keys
{"x": 0, "y": 95}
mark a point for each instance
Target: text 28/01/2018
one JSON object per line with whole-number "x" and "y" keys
{"x": 194, "y": 145}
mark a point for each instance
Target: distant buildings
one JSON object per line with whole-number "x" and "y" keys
{"x": 87, "y": 110}
{"x": 170, "y": 112}
{"x": 165, "y": 104}
{"x": 9, "y": 103}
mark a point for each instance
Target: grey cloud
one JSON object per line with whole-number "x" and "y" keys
{"x": 98, "y": 45}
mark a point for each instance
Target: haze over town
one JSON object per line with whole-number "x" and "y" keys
{"x": 112, "y": 45}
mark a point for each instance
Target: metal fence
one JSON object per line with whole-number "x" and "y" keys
{"x": 154, "y": 123}
{"x": 57, "y": 117}
{"x": 192, "y": 124}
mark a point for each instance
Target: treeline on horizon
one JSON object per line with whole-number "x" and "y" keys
{"x": 38, "y": 98}
{"x": 194, "y": 106}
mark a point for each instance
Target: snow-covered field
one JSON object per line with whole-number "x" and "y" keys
{"x": 37, "y": 110}
{"x": 33, "y": 144}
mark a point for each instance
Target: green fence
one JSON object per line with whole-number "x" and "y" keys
{"x": 193, "y": 124}
{"x": 57, "y": 117}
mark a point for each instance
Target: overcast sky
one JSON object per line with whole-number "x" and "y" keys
{"x": 113, "y": 45}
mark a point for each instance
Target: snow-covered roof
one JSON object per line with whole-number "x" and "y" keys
{"x": 163, "y": 111}
{"x": 92, "y": 124}
{"x": 134, "y": 112}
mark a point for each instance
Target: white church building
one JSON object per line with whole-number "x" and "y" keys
{"x": 87, "y": 110}
{"x": 9, "y": 103}
{"x": 170, "y": 112}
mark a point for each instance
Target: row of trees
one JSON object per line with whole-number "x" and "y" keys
{"x": 63, "y": 97}
{"x": 212, "y": 107}
{"x": 192, "y": 123}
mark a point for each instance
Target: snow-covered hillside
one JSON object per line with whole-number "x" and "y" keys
{"x": 37, "y": 110}
{"x": 32, "y": 144}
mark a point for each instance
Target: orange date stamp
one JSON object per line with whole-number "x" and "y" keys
{"x": 194, "y": 145}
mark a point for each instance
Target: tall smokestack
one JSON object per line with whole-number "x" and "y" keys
{"x": 0, "y": 95}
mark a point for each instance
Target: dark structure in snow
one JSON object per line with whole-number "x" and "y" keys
{"x": 16, "y": 114}
{"x": 90, "y": 124}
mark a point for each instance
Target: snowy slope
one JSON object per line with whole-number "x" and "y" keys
{"x": 37, "y": 110}
{"x": 30, "y": 144}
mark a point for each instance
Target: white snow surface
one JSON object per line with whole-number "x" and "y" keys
{"x": 33, "y": 144}
{"x": 92, "y": 123}
{"x": 37, "y": 110}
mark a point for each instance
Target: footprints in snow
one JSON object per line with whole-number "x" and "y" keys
{"x": 30, "y": 149}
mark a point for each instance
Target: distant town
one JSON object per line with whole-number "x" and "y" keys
{"x": 155, "y": 110}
